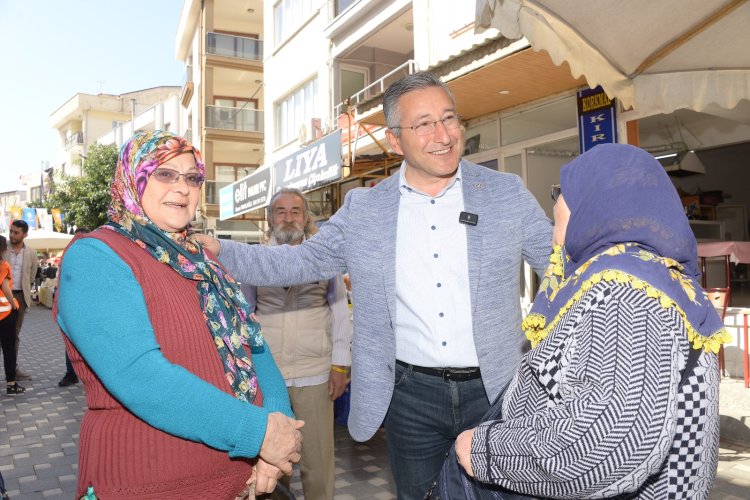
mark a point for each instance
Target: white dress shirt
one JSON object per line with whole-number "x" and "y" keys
{"x": 433, "y": 302}
{"x": 16, "y": 265}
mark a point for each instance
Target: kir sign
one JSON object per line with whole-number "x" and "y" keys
{"x": 312, "y": 167}
{"x": 597, "y": 119}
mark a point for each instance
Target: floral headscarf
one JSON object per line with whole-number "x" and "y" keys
{"x": 225, "y": 309}
{"x": 626, "y": 225}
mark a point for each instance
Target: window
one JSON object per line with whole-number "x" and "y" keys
{"x": 246, "y": 46}
{"x": 342, "y": 5}
{"x": 288, "y": 15}
{"x": 536, "y": 122}
{"x": 225, "y": 175}
{"x": 295, "y": 110}
{"x": 231, "y": 113}
{"x": 353, "y": 80}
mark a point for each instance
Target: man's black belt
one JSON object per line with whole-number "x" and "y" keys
{"x": 454, "y": 374}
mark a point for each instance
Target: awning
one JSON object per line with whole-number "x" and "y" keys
{"x": 40, "y": 239}
{"x": 657, "y": 56}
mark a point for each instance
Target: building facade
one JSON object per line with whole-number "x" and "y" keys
{"x": 222, "y": 45}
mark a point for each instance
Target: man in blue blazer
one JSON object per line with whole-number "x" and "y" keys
{"x": 433, "y": 253}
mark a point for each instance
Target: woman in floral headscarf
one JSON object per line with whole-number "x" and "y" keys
{"x": 182, "y": 391}
{"x": 619, "y": 393}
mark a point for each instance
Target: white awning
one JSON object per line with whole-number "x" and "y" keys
{"x": 657, "y": 56}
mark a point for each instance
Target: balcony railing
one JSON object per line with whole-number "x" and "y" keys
{"x": 74, "y": 140}
{"x": 377, "y": 87}
{"x": 241, "y": 119}
{"x": 234, "y": 46}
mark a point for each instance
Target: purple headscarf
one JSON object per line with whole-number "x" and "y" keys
{"x": 626, "y": 226}
{"x": 618, "y": 193}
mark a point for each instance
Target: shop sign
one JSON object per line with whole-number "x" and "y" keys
{"x": 314, "y": 166}
{"x": 597, "y": 119}
{"x": 246, "y": 194}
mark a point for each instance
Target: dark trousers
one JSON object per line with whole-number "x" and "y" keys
{"x": 69, "y": 372}
{"x": 425, "y": 417}
{"x": 7, "y": 341}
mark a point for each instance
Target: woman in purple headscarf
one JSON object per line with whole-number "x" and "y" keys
{"x": 619, "y": 393}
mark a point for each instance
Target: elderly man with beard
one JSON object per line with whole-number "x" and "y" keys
{"x": 309, "y": 332}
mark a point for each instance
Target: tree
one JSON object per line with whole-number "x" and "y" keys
{"x": 84, "y": 200}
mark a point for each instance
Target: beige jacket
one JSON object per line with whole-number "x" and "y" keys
{"x": 30, "y": 265}
{"x": 296, "y": 323}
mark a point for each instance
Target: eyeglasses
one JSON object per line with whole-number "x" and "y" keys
{"x": 555, "y": 192}
{"x": 427, "y": 127}
{"x": 169, "y": 176}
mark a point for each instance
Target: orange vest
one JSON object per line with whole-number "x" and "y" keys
{"x": 5, "y": 307}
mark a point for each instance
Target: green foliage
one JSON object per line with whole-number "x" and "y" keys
{"x": 84, "y": 200}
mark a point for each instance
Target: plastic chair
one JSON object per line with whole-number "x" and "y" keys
{"x": 720, "y": 298}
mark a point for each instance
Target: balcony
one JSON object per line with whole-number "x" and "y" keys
{"x": 237, "y": 119}
{"x": 239, "y": 47}
{"x": 362, "y": 100}
{"x": 74, "y": 140}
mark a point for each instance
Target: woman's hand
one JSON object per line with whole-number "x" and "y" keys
{"x": 463, "y": 450}
{"x": 265, "y": 477}
{"x": 210, "y": 243}
{"x": 282, "y": 443}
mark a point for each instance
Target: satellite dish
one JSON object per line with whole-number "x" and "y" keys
{"x": 302, "y": 134}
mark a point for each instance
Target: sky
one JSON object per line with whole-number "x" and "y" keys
{"x": 50, "y": 50}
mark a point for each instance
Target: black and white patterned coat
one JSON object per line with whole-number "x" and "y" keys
{"x": 596, "y": 409}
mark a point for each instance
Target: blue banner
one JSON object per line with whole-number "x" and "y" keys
{"x": 29, "y": 216}
{"x": 597, "y": 119}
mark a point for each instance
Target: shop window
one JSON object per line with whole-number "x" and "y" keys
{"x": 543, "y": 120}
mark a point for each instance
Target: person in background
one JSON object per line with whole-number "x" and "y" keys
{"x": 23, "y": 265}
{"x": 8, "y": 313}
{"x": 433, "y": 253}
{"x": 70, "y": 377}
{"x": 619, "y": 395}
{"x": 308, "y": 330}
{"x": 184, "y": 398}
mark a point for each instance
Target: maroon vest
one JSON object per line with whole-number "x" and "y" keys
{"x": 119, "y": 454}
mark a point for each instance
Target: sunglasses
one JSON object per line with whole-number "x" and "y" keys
{"x": 555, "y": 192}
{"x": 169, "y": 176}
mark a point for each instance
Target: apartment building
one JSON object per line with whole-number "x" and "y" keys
{"x": 85, "y": 119}
{"x": 222, "y": 45}
{"x": 327, "y": 63}
{"x": 354, "y": 49}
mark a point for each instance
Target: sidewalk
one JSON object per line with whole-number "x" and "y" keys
{"x": 39, "y": 433}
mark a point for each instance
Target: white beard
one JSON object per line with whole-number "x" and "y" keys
{"x": 288, "y": 235}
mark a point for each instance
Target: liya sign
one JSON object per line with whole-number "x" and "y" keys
{"x": 309, "y": 168}
{"x": 312, "y": 167}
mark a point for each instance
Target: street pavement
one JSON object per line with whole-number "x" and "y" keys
{"x": 39, "y": 433}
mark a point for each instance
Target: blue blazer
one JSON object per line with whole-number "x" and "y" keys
{"x": 360, "y": 238}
